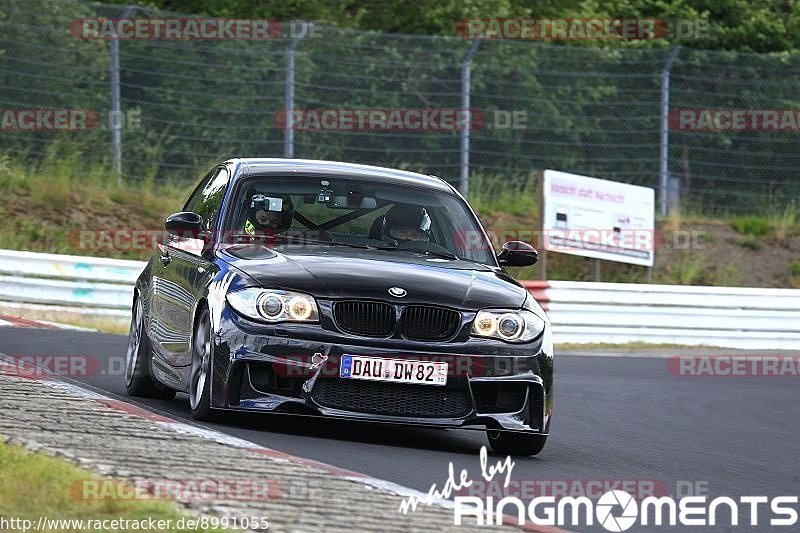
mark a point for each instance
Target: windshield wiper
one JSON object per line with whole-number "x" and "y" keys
{"x": 290, "y": 240}
{"x": 287, "y": 239}
{"x": 443, "y": 255}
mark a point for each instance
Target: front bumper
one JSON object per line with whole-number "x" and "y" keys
{"x": 266, "y": 368}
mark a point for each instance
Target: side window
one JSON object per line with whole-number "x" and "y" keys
{"x": 197, "y": 196}
{"x": 207, "y": 199}
{"x": 213, "y": 194}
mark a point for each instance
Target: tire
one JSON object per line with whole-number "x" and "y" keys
{"x": 200, "y": 376}
{"x": 138, "y": 381}
{"x": 520, "y": 444}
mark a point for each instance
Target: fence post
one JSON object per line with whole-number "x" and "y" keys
{"x": 663, "y": 186}
{"x": 116, "y": 134}
{"x": 288, "y": 94}
{"x": 466, "y": 76}
{"x": 115, "y": 116}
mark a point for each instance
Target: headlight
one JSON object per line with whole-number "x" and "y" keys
{"x": 274, "y": 305}
{"x": 511, "y": 326}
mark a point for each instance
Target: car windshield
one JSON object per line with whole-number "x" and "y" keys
{"x": 349, "y": 212}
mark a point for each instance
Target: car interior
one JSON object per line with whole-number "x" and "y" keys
{"x": 349, "y": 212}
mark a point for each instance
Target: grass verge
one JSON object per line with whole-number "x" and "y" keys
{"x": 98, "y": 322}
{"x": 47, "y": 206}
{"x": 33, "y": 485}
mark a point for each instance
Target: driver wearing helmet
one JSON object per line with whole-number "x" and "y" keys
{"x": 406, "y": 223}
{"x": 269, "y": 215}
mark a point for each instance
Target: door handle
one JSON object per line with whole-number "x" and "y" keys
{"x": 166, "y": 259}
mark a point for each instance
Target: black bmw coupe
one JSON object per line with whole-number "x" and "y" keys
{"x": 343, "y": 291}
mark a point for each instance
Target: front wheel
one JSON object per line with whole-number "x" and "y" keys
{"x": 138, "y": 381}
{"x": 200, "y": 382}
{"x": 509, "y": 443}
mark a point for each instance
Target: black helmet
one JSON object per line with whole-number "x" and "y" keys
{"x": 273, "y": 203}
{"x": 406, "y": 216}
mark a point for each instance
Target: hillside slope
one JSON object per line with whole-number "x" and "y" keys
{"x": 46, "y": 210}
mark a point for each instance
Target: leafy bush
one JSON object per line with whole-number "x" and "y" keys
{"x": 688, "y": 269}
{"x": 751, "y": 242}
{"x": 490, "y": 194}
{"x": 784, "y": 223}
{"x": 750, "y": 225}
{"x": 794, "y": 274}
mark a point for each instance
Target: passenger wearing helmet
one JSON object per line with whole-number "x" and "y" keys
{"x": 269, "y": 215}
{"x": 406, "y": 223}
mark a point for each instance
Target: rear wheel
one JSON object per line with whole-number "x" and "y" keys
{"x": 200, "y": 379}
{"x": 138, "y": 381}
{"x": 510, "y": 443}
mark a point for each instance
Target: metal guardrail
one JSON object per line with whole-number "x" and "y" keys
{"x": 91, "y": 286}
{"x": 731, "y": 317}
{"x": 581, "y": 312}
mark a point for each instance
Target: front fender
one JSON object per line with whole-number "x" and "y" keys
{"x": 144, "y": 289}
{"x": 218, "y": 280}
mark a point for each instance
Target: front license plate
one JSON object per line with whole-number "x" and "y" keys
{"x": 393, "y": 370}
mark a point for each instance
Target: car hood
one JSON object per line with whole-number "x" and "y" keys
{"x": 341, "y": 272}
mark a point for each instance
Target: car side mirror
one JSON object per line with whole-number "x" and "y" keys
{"x": 184, "y": 224}
{"x": 517, "y": 254}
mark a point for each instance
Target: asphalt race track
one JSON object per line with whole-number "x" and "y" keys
{"x": 616, "y": 418}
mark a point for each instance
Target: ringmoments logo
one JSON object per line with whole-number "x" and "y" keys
{"x": 615, "y": 510}
{"x": 616, "y": 499}
{"x": 618, "y": 510}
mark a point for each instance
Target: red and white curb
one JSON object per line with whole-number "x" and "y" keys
{"x": 19, "y": 322}
{"x": 222, "y": 438}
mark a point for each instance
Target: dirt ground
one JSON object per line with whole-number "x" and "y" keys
{"x": 750, "y": 261}
{"x": 692, "y": 254}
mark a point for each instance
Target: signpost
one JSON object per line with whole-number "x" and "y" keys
{"x": 597, "y": 218}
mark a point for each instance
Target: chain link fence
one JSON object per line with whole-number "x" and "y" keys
{"x": 595, "y": 111}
